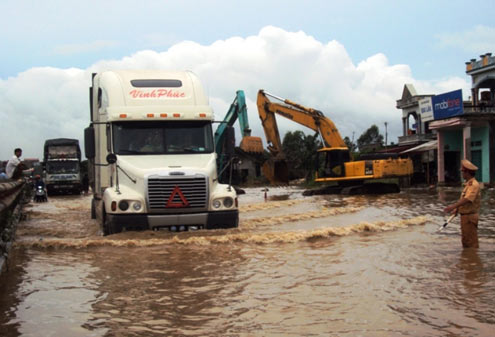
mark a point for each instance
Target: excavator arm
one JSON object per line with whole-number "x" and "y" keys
{"x": 276, "y": 169}
{"x": 250, "y": 144}
{"x": 238, "y": 110}
{"x": 311, "y": 118}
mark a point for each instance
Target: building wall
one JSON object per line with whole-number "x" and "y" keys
{"x": 454, "y": 140}
{"x": 480, "y": 141}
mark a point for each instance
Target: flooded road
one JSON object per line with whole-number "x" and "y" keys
{"x": 296, "y": 266}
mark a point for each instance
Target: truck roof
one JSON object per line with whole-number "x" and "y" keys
{"x": 61, "y": 141}
{"x": 51, "y": 143}
{"x": 152, "y": 87}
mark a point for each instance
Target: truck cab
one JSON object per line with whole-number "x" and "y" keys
{"x": 62, "y": 164}
{"x": 151, "y": 152}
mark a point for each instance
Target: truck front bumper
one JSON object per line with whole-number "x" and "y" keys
{"x": 211, "y": 220}
{"x": 64, "y": 186}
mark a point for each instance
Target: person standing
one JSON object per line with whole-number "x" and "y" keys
{"x": 14, "y": 167}
{"x": 85, "y": 183}
{"x": 468, "y": 205}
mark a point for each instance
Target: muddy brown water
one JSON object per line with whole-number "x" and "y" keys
{"x": 296, "y": 266}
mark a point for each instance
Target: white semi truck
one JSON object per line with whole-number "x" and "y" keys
{"x": 151, "y": 152}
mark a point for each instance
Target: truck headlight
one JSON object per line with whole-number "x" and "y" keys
{"x": 136, "y": 206}
{"x": 228, "y": 202}
{"x": 217, "y": 203}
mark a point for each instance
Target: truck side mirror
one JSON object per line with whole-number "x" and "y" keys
{"x": 89, "y": 142}
{"x": 229, "y": 141}
{"x": 111, "y": 158}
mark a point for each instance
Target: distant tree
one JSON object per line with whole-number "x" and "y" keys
{"x": 300, "y": 153}
{"x": 311, "y": 145}
{"x": 293, "y": 145}
{"x": 352, "y": 147}
{"x": 370, "y": 138}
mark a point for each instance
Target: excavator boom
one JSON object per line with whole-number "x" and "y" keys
{"x": 275, "y": 168}
{"x": 249, "y": 144}
{"x": 311, "y": 118}
{"x": 238, "y": 110}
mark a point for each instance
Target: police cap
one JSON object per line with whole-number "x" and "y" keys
{"x": 468, "y": 165}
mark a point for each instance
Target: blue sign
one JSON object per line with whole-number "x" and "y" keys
{"x": 447, "y": 105}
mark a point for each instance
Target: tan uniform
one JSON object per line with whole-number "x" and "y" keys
{"x": 469, "y": 213}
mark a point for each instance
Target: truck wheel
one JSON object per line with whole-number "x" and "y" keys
{"x": 93, "y": 209}
{"x": 106, "y": 229}
{"x": 110, "y": 227}
{"x": 116, "y": 228}
{"x": 105, "y": 223}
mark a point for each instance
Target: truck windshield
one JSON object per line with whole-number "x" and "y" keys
{"x": 153, "y": 138}
{"x": 56, "y": 167}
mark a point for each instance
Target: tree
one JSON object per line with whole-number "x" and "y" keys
{"x": 352, "y": 147}
{"x": 370, "y": 139}
{"x": 300, "y": 153}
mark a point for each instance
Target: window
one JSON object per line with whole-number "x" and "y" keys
{"x": 476, "y": 144}
{"x": 58, "y": 167}
{"x": 155, "y": 138}
{"x": 156, "y": 83}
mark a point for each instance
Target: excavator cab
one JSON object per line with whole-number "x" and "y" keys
{"x": 331, "y": 162}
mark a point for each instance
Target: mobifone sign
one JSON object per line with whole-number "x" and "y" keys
{"x": 447, "y": 105}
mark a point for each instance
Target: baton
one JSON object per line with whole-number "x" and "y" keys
{"x": 447, "y": 222}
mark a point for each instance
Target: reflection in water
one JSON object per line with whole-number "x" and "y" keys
{"x": 54, "y": 297}
{"x": 470, "y": 264}
{"x": 326, "y": 265}
{"x": 174, "y": 290}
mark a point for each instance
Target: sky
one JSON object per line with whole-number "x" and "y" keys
{"x": 348, "y": 59}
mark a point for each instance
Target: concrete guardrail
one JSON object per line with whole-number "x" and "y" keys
{"x": 13, "y": 195}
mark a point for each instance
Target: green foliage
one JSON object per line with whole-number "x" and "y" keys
{"x": 300, "y": 152}
{"x": 370, "y": 140}
{"x": 352, "y": 146}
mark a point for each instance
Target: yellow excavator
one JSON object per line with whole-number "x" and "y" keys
{"x": 334, "y": 166}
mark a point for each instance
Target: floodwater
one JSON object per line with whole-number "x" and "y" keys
{"x": 296, "y": 266}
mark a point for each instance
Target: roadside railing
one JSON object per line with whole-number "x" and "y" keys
{"x": 13, "y": 193}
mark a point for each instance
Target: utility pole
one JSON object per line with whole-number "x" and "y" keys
{"x": 386, "y": 134}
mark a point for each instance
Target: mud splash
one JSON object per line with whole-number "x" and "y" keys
{"x": 224, "y": 238}
{"x": 277, "y": 220}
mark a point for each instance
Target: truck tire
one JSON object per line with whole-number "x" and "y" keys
{"x": 116, "y": 228}
{"x": 106, "y": 225}
{"x": 93, "y": 209}
{"x": 109, "y": 227}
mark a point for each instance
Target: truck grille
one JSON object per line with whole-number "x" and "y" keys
{"x": 177, "y": 195}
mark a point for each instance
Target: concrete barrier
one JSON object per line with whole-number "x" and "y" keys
{"x": 13, "y": 195}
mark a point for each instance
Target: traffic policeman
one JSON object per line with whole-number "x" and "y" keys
{"x": 468, "y": 205}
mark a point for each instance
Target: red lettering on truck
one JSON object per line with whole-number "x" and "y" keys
{"x": 157, "y": 93}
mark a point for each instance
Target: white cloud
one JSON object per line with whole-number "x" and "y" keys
{"x": 43, "y": 103}
{"x": 480, "y": 39}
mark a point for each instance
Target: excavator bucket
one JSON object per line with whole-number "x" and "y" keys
{"x": 276, "y": 171}
{"x": 251, "y": 144}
